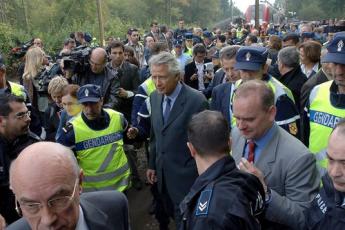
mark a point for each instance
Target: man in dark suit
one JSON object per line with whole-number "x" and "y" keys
{"x": 128, "y": 75}
{"x": 194, "y": 74}
{"x": 172, "y": 106}
{"x": 47, "y": 182}
{"x": 285, "y": 167}
{"x": 221, "y": 94}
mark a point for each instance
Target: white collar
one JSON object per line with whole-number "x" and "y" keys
{"x": 81, "y": 225}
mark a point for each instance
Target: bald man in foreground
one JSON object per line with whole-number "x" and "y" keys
{"x": 46, "y": 181}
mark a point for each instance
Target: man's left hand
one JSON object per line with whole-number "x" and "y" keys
{"x": 123, "y": 93}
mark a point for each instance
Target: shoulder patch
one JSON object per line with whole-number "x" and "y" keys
{"x": 203, "y": 203}
{"x": 68, "y": 127}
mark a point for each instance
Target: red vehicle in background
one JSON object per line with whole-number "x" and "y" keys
{"x": 264, "y": 14}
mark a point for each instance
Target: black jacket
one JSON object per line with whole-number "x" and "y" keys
{"x": 328, "y": 208}
{"x": 110, "y": 86}
{"x": 51, "y": 121}
{"x": 189, "y": 70}
{"x": 8, "y": 152}
{"x": 128, "y": 75}
{"x": 294, "y": 80}
{"x": 223, "y": 197}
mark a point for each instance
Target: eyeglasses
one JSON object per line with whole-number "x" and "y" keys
{"x": 55, "y": 205}
{"x": 22, "y": 115}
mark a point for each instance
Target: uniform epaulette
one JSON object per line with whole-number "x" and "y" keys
{"x": 68, "y": 127}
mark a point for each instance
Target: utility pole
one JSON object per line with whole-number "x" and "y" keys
{"x": 25, "y": 7}
{"x": 232, "y": 10}
{"x": 257, "y": 24}
{"x": 100, "y": 22}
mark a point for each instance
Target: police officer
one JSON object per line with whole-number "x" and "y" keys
{"x": 14, "y": 137}
{"x": 251, "y": 61}
{"x": 8, "y": 87}
{"x": 96, "y": 136}
{"x": 326, "y": 105}
{"x": 328, "y": 208}
{"x": 222, "y": 197}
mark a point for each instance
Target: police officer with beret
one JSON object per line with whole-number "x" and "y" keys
{"x": 326, "y": 105}
{"x": 251, "y": 62}
{"x": 96, "y": 137}
{"x": 222, "y": 197}
{"x": 328, "y": 208}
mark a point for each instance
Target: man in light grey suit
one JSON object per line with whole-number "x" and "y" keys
{"x": 46, "y": 181}
{"x": 285, "y": 167}
{"x": 173, "y": 104}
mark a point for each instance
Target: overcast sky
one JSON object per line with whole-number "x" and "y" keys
{"x": 243, "y": 4}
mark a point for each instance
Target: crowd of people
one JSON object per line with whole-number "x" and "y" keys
{"x": 242, "y": 129}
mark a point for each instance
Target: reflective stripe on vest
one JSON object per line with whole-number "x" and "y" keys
{"x": 17, "y": 90}
{"x": 149, "y": 86}
{"x": 278, "y": 90}
{"x": 100, "y": 154}
{"x": 322, "y": 118}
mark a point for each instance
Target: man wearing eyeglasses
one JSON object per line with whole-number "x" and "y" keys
{"x": 46, "y": 181}
{"x": 99, "y": 74}
{"x": 14, "y": 136}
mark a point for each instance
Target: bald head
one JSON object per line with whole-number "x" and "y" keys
{"x": 43, "y": 160}
{"x": 98, "y": 59}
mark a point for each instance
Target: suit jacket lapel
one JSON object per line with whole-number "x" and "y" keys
{"x": 268, "y": 154}
{"x": 177, "y": 107}
{"x": 95, "y": 218}
{"x": 238, "y": 145}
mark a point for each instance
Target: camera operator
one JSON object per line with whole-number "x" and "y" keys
{"x": 97, "y": 73}
{"x": 68, "y": 45}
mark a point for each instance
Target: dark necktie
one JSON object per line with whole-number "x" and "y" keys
{"x": 167, "y": 110}
{"x": 251, "y": 150}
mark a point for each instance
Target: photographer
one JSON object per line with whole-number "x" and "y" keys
{"x": 98, "y": 73}
{"x": 195, "y": 74}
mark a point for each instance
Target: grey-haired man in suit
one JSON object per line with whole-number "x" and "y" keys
{"x": 46, "y": 181}
{"x": 173, "y": 104}
{"x": 285, "y": 167}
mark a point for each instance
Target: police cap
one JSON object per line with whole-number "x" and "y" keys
{"x": 336, "y": 49}
{"x": 89, "y": 93}
{"x": 251, "y": 58}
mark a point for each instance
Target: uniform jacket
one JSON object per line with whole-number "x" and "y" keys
{"x": 328, "y": 208}
{"x": 169, "y": 153}
{"x": 223, "y": 197}
{"x": 221, "y": 99}
{"x": 104, "y": 210}
{"x": 291, "y": 174}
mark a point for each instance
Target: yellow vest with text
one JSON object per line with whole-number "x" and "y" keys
{"x": 17, "y": 90}
{"x": 100, "y": 154}
{"x": 322, "y": 119}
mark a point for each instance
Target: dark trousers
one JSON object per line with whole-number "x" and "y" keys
{"x": 172, "y": 209}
